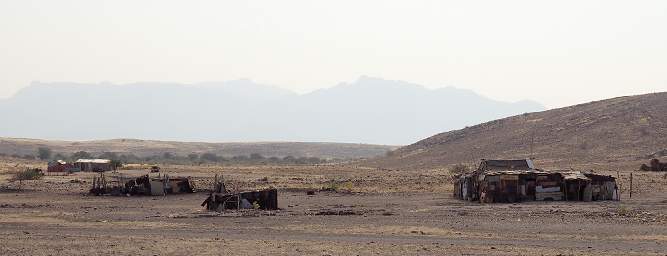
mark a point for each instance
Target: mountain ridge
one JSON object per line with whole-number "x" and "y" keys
{"x": 369, "y": 110}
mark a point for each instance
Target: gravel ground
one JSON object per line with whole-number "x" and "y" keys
{"x": 371, "y": 212}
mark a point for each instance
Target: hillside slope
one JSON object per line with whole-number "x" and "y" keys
{"x": 614, "y": 132}
{"x": 143, "y": 148}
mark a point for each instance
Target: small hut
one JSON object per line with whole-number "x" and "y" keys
{"x": 61, "y": 166}
{"x": 94, "y": 165}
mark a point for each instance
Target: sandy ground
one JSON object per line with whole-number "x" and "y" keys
{"x": 373, "y": 212}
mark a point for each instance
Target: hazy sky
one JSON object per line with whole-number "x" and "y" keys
{"x": 555, "y": 52}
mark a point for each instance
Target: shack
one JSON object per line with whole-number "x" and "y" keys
{"x": 221, "y": 199}
{"x": 61, "y": 166}
{"x": 144, "y": 185}
{"x": 94, "y": 165}
{"x": 509, "y": 181}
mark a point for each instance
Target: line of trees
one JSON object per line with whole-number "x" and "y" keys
{"x": 46, "y": 154}
{"x": 255, "y": 158}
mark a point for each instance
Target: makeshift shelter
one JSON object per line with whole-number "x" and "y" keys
{"x": 61, "y": 166}
{"x": 603, "y": 187}
{"x": 144, "y": 185}
{"x": 221, "y": 199}
{"x": 509, "y": 181}
{"x": 94, "y": 165}
{"x": 548, "y": 187}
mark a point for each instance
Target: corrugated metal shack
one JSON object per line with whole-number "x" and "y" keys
{"x": 61, "y": 166}
{"x": 94, "y": 165}
{"x": 144, "y": 185}
{"x": 509, "y": 181}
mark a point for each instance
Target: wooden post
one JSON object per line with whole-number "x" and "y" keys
{"x": 579, "y": 190}
{"x": 618, "y": 185}
{"x": 630, "y": 184}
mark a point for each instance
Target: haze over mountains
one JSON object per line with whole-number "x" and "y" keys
{"x": 369, "y": 110}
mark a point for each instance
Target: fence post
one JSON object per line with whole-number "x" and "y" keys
{"x": 630, "y": 184}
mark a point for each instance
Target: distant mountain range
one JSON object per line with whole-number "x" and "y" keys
{"x": 369, "y": 110}
{"x": 619, "y": 133}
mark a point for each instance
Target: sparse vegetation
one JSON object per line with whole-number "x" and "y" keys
{"x": 622, "y": 210}
{"x": 338, "y": 186}
{"x": 44, "y": 153}
{"x": 168, "y": 155}
{"x": 459, "y": 169}
{"x": 27, "y": 174}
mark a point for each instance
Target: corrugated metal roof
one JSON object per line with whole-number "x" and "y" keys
{"x": 515, "y": 172}
{"x": 512, "y": 164}
{"x": 96, "y": 161}
{"x": 574, "y": 175}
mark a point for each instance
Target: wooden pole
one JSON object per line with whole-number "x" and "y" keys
{"x": 618, "y": 184}
{"x": 579, "y": 190}
{"x": 631, "y": 185}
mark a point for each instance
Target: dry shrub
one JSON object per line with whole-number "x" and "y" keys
{"x": 458, "y": 170}
{"x": 28, "y": 174}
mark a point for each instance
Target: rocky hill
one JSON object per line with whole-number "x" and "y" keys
{"x": 617, "y": 132}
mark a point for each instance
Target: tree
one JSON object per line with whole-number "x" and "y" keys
{"x": 109, "y": 155}
{"x": 27, "y": 174}
{"x": 81, "y": 155}
{"x": 315, "y": 160}
{"x": 193, "y": 157}
{"x": 289, "y": 159}
{"x": 256, "y": 156}
{"x": 129, "y": 158}
{"x": 209, "y": 157}
{"x": 59, "y": 156}
{"x": 168, "y": 155}
{"x": 240, "y": 158}
{"x": 302, "y": 160}
{"x": 44, "y": 153}
{"x": 115, "y": 163}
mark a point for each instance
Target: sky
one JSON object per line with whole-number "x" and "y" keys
{"x": 555, "y": 52}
